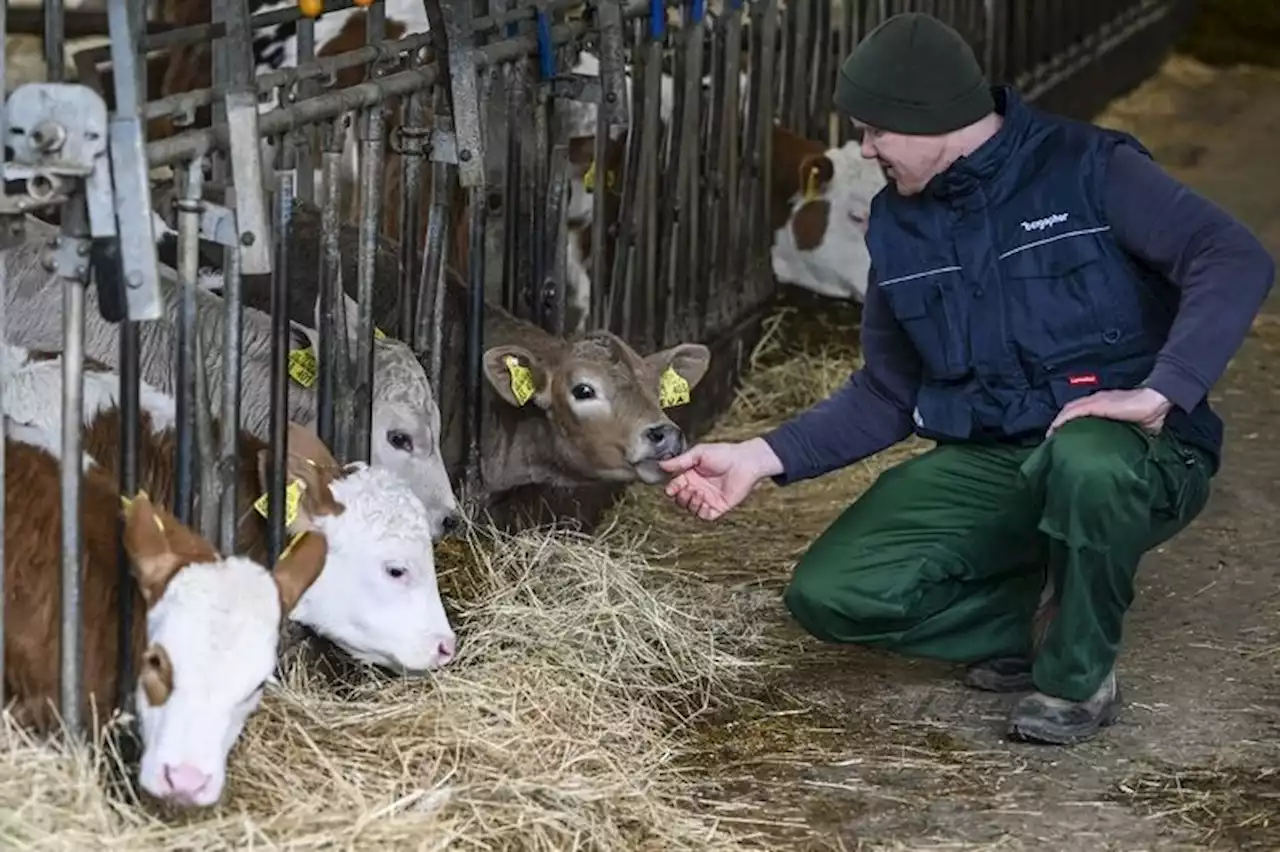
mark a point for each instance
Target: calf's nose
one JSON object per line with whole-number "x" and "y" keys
{"x": 451, "y": 523}
{"x": 448, "y": 647}
{"x": 666, "y": 438}
{"x": 185, "y": 781}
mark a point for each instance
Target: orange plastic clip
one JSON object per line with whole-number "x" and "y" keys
{"x": 311, "y": 8}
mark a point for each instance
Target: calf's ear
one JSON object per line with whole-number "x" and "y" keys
{"x": 298, "y": 567}
{"x": 515, "y": 374}
{"x": 159, "y": 546}
{"x": 688, "y": 360}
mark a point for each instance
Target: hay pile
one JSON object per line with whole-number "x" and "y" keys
{"x": 558, "y": 727}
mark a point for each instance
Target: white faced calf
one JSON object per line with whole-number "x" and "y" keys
{"x": 205, "y": 628}
{"x": 378, "y": 597}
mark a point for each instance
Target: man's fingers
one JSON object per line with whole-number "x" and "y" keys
{"x": 682, "y": 462}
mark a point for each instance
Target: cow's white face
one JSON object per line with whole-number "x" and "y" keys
{"x": 213, "y": 627}
{"x": 378, "y": 597}
{"x": 405, "y": 427}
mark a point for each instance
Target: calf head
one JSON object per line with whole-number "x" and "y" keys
{"x": 828, "y": 223}
{"x": 377, "y": 598}
{"x": 213, "y": 626}
{"x": 405, "y": 436}
{"x": 601, "y": 401}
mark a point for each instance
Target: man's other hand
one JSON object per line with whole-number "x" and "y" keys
{"x": 1143, "y": 406}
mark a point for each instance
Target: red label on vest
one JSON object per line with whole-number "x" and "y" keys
{"x": 1086, "y": 379}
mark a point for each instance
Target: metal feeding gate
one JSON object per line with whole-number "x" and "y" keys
{"x": 475, "y": 119}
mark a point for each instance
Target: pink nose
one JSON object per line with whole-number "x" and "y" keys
{"x": 185, "y": 781}
{"x": 448, "y": 647}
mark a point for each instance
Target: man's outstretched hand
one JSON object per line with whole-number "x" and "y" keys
{"x": 1142, "y": 406}
{"x": 711, "y": 479}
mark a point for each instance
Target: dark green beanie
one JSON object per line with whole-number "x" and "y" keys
{"x": 913, "y": 74}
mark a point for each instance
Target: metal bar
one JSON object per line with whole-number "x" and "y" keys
{"x": 71, "y": 645}
{"x": 55, "y": 60}
{"x": 305, "y": 138}
{"x": 229, "y": 421}
{"x": 4, "y": 134}
{"x": 279, "y": 421}
{"x": 332, "y": 357}
{"x": 428, "y": 336}
{"x": 130, "y": 373}
{"x": 192, "y": 143}
{"x": 413, "y": 161}
{"x": 189, "y": 204}
{"x": 371, "y": 128}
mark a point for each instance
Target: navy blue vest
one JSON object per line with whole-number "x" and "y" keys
{"x": 1004, "y": 274}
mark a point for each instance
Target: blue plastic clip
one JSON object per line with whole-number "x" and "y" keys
{"x": 735, "y": 4}
{"x": 698, "y": 12}
{"x": 546, "y": 56}
{"x": 657, "y": 19}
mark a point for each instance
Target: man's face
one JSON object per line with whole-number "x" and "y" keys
{"x": 909, "y": 162}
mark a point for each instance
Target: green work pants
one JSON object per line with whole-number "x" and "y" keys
{"x": 945, "y": 556}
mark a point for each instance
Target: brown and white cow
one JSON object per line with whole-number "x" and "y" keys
{"x": 821, "y": 202}
{"x": 378, "y": 597}
{"x": 205, "y": 630}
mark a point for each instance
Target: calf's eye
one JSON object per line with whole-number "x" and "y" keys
{"x": 400, "y": 440}
{"x": 397, "y": 572}
{"x": 582, "y": 391}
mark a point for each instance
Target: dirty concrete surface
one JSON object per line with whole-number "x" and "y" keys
{"x": 884, "y": 752}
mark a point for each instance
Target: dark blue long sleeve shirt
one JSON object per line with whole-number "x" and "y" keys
{"x": 1223, "y": 272}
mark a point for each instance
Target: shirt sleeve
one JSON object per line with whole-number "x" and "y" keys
{"x": 869, "y": 413}
{"x": 1221, "y": 270}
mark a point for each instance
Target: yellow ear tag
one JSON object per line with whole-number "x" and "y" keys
{"x": 674, "y": 389}
{"x": 293, "y": 542}
{"x": 303, "y": 366}
{"x": 292, "y": 494}
{"x": 377, "y": 334}
{"x": 589, "y": 179}
{"x": 811, "y": 185}
{"x": 521, "y": 380}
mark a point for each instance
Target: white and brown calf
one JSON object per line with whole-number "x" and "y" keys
{"x": 378, "y": 598}
{"x": 205, "y": 631}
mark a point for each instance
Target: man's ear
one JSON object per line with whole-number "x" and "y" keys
{"x": 515, "y": 375}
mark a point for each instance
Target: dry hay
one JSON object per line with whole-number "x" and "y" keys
{"x": 1221, "y": 806}
{"x": 557, "y": 727}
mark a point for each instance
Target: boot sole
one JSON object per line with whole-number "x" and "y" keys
{"x": 1035, "y": 731}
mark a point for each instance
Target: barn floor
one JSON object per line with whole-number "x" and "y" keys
{"x": 844, "y": 748}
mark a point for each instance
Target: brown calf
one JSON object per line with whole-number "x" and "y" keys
{"x": 32, "y": 637}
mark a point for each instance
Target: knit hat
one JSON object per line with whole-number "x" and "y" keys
{"x": 913, "y": 74}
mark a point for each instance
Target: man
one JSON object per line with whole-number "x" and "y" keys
{"x": 1052, "y": 309}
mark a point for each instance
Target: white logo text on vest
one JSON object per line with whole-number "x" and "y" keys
{"x": 1046, "y": 222}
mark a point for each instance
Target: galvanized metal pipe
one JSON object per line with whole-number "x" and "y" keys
{"x": 4, "y": 134}
{"x": 55, "y": 61}
{"x": 229, "y": 432}
{"x": 192, "y": 143}
{"x": 71, "y": 645}
{"x": 189, "y": 205}
{"x": 334, "y": 367}
{"x": 371, "y": 138}
{"x": 279, "y": 421}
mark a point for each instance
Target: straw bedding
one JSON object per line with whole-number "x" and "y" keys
{"x": 557, "y": 727}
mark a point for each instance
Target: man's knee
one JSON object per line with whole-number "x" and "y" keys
{"x": 1088, "y": 458}
{"x": 813, "y": 603}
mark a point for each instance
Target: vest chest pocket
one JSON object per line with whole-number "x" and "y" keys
{"x": 929, "y": 310}
{"x": 1064, "y": 300}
